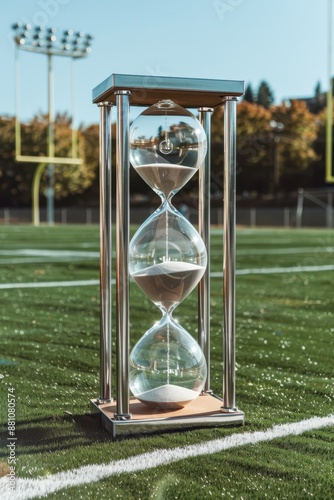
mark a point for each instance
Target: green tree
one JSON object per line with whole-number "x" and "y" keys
{"x": 253, "y": 137}
{"x": 16, "y": 177}
{"x": 265, "y": 97}
{"x": 253, "y": 140}
{"x": 11, "y": 180}
{"x": 297, "y": 141}
{"x": 73, "y": 179}
{"x": 249, "y": 94}
{"x": 319, "y": 101}
{"x": 256, "y": 143}
{"x": 317, "y": 90}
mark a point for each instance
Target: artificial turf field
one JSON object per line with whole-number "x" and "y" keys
{"x": 285, "y": 336}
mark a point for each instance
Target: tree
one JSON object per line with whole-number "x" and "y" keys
{"x": 297, "y": 141}
{"x": 256, "y": 143}
{"x": 253, "y": 138}
{"x": 10, "y": 179}
{"x": 317, "y": 90}
{"x": 249, "y": 94}
{"x": 16, "y": 178}
{"x": 265, "y": 96}
{"x": 252, "y": 143}
{"x": 73, "y": 179}
{"x": 319, "y": 101}
{"x": 317, "y": 172}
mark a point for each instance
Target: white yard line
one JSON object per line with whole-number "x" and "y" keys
{"x": 292, "y": 269}
{"x": 261, "y": 270}
{"x": 43, "y": 260}
{"x": 35, "y": 252}
{"x": 31, "y": 488}
{"x": 278, "y": 270}
{"x": 284, "y": 251}
{"x": 49, "y": 284}
{"x": 40, "y": 256}
{"x": 36, "y": 256}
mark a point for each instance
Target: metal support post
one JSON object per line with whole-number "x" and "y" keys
{"x": 122, "y": 249}
{"x": 229, "y": 254}
{"x": 17, "y": 106}
{"x": 204, "y": 231}
{"x": 105, "y": 253}
{"x": 74, "y": 130}
{"x": 51, "y": 147}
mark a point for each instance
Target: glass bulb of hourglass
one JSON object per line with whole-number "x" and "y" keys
{"x": 167, "y": 146}
{"x": 167, "y": 367}
{"x": 167, "y": 257}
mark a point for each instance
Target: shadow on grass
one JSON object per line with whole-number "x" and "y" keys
{"x": 55, "y": 433}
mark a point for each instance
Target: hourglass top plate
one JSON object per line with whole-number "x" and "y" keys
{"x": 187, "y": 92}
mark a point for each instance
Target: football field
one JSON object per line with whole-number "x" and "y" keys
{"x": 49, "y": 370}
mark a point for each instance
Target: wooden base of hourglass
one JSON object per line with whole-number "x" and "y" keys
{"x": 204, "y": 411}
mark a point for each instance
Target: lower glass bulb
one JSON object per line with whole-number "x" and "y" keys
{"x": 167, "y": 366}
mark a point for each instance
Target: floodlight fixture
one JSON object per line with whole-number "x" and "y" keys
{"x": 47, "y": 40}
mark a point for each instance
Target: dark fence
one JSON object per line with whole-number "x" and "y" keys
{"x": 253, "y": 217}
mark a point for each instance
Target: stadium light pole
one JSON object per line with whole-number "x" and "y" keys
{"x": 277, "y": 128}
{"x": 71, "y": 44}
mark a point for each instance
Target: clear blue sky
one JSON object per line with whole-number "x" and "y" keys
{"x": 281, "y": 41}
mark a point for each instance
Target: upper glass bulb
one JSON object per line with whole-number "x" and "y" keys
{"x": 167, "y": 146}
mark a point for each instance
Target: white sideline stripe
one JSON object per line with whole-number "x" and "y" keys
{"x": 45, "y": 260}
{"x": 49, "y": 256}
{"x": 50, "y": 253}
{"x": 284, "y": 251}
{"x": 30, "y": 488}
{"x": 278, "y": 270}
{"x": 49, "y": 284}
{"x": 261, "y": 270}
{"x": 292, "y": 269}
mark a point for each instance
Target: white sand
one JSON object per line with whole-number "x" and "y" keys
{"x": 165, "y": 165}
{"x": 168, "y": 267}
{"x": 165, "y": 177}
{"x": 168, "y": 393}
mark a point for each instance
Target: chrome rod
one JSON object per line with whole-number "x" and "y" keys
{"x": 122, "y": 247}
{"x": 51, "y": 145}
{"x": 204, "y": 231}
{"x": 229, "y": 254}
{"x": 105, "y": 253}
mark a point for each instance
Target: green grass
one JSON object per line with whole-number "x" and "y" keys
{"x": 49, "y": 353}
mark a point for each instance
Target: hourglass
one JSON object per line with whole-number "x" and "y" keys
{"x": 167, "y": 256}
{"x": 164, "y": 382}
